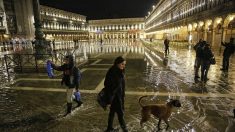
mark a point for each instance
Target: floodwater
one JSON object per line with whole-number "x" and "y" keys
{"x": 33, "y": 102}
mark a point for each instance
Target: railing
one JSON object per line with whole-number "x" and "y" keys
{"x": 28, "y": 62}
{"x": 32, "y": 63}
{"x": 9, "y": 46}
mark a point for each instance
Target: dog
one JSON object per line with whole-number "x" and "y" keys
{"x": 161, "y": 111}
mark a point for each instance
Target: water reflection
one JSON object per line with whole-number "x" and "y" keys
{"x": 20, "y": 109}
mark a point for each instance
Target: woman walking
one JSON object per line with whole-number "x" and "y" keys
{"x": 115, "y": 87}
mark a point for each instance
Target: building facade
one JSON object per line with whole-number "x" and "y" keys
{"x": 62, "y": 25}
{"x": 17, "y": 24}
{"x": 191, "y": 20}
{"x": 114, "y": 29}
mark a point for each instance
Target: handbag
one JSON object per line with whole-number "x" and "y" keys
{"x": 76, "y": 96}
{"x": 212, "y": 61}
{"x": 102, "y": 99}
{"x": 49, "y": 69}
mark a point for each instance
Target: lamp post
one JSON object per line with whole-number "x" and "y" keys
{"x": 40, "y": 42}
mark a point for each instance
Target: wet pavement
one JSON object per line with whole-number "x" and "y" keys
{"x": 35, "y": 103}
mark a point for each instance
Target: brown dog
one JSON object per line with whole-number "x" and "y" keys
{"x": 161, "y": 111}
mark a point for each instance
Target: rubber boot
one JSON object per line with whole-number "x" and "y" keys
{"x": 69, "y": 109}
{"x": 79, "y": 103}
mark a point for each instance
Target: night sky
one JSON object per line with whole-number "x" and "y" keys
{"x": 103, "y": 9}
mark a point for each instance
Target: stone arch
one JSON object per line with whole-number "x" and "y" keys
{"x": 217, "y": 21}
{"x": 208, "y": 23}
{"x": 229, "y": 18}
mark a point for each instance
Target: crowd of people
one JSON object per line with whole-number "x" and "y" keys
{"x": 205, "y": 58}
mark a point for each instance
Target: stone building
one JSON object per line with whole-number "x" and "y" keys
{"x": 62, "y": 25}
{"x": 114, "y": 29}
{"x": 190, "y": 20}
{"x": 17, "y": 22}
{"x": 17, "y": 19}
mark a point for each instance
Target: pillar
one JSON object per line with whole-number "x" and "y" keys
{"x": 213, "y": 38}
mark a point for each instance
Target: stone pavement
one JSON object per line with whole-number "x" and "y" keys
{"x": 35, "y": 103}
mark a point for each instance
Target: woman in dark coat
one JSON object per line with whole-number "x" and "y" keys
{"x": 115, "y": 87}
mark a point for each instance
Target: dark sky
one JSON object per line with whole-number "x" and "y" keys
{"x": 103, "y": 9}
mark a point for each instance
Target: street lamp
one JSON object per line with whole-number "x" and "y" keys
{"x": 40, "y": 42}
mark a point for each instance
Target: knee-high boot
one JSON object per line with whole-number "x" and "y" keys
{"x": 69, "y": 108}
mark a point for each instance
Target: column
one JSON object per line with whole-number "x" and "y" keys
{"x": 213, "y": 38}
{"x": 205, "y": 33}
{"x": 224, "y": 31}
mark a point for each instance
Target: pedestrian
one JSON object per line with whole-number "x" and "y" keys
{"x": 101, "y": 44}
{"x": 228, "y": 51}
{"x": 198, "y": 48}
{"x": 70, "y": 79}
{"x": 207, "y": 55}
{"x": 101, "y": 41}
{"x": 115, "y": 87}
{"x": 166, "y": 44}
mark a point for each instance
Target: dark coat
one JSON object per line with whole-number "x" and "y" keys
{"x": 115, "y": 86}
{"x": 207, "y": 54}
{"x": 199, "y": 49}
{"x": 229, "y": 49}
{"x": 69, "y": 73}
{"x": 166, "y": 43}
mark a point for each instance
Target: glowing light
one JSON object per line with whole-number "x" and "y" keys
{"x": 209, "y": 23}
{"x": 190, "y": 27}
{"x": 190, "y": 37}
{"x": 231, "y": 18}
{"x": 218, "y": 21}
{"x": 201, "y": 24}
